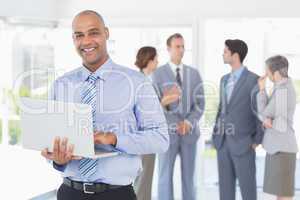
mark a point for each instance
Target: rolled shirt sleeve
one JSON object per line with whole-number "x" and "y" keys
{"x": 151, "y": 132}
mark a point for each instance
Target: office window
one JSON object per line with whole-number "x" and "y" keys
{"x": 51, "y": 50}
{"x": 28, "y": 59}
{"x": 125, "y": 42}
{"x": 123, "y": 45}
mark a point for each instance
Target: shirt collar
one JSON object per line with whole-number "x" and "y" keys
{"x": 174, "y": 66}
{"x": 237, "y": 73}
{"x": 150, "y": 78}
{"x": 101, "y": 72}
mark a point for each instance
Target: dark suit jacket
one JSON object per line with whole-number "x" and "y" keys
{"x": 237, "y": 120}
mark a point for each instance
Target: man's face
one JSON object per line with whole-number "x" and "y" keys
{"x": 89, "y": 37}
{"x": 176, "y": 49}
{"x": 227, "y": 56}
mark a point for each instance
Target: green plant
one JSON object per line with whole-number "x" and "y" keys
{"x": 297, "y": 87}
{"x": 14, "y": 131}
{"x": 210, "y": 153}
{"x": 12, "y": 97}
{"x": 211, "y": 105}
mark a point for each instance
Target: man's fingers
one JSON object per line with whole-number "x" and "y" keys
{"x": 71, "y": 149}
{"x": 69, "y": 152}
{"x": 268, "y": 125}
{"x": 47, "y": 154}
{"x": 175, "y": 90}
{"x": 165, "y": 91}
{"x": 56, "y": 147}
{"x": 63, "y": 149}
{"x": 76, "y": 157}
{"x": 98, "y": 139}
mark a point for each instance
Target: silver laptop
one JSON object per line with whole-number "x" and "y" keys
{"x": 43, "y": 120}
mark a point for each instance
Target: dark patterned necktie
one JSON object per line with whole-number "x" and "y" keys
{"x": 178, "y": 77}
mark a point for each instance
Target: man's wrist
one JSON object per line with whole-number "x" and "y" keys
{"x": 58, "y": 164}
{"x": 59, "y": 167}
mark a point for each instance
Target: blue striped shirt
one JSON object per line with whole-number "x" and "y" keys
{"x": 128, "y": 106}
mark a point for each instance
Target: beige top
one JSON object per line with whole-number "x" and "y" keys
{"x": 281, "y": 108}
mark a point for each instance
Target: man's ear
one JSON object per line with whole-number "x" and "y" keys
{"x": 73, "y": 38}
{"x": 236, "y": 56}
{"x": 106, "y": 33}
{"x": 168, "y": 48}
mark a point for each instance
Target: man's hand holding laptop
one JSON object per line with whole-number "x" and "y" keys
{"x": 63, "y": 152}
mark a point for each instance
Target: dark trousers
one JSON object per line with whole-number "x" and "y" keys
{"x": 123, "y": 193}
{"x": 233, "y": 167}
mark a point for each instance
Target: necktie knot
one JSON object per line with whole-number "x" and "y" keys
{"x": 92, "y": 78}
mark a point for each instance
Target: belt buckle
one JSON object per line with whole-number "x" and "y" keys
{"x": 85, "y": 190}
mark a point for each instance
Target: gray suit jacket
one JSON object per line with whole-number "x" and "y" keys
{"x": 191, "y": 105}
{"x": 281, "y": 108}
{"x": 237, "y": 120}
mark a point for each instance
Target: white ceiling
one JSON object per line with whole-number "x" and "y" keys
{"x": 151, "y": 9}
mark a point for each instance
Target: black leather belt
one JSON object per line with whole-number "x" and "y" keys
{"x": 90, "y": 188}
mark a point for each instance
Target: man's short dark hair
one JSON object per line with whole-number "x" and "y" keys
{"x": 174, "y": 36}
{"x": 239, "y": 47}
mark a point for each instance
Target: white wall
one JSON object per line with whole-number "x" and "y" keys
{"x": 184, "y": 8}
{"x": 32, "y": 9}
{"x": 154, "y": 12}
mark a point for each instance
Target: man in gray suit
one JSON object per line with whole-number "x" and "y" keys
{"x": 183, "y": 113}
{"x": 237, "y": 131}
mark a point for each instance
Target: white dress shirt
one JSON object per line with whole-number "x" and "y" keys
{"x": 174, "y": 67}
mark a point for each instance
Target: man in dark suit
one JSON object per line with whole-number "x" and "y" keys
{"x": 237, "y": 131}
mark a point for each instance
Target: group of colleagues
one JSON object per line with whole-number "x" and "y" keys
{"x": 157, "y": 112}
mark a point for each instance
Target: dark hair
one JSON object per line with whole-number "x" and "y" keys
{"x": 144, "y": 55}
{"x": 239, "y": 47}
{"x": 278, "y": 63}
{"x": 174, "y": 36}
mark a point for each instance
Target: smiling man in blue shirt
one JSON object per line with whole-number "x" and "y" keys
{"x": 127, "y": 117}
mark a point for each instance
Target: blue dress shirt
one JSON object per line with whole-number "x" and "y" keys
{"x": 237, "y": 74}
{"x": 128, "y": 106}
